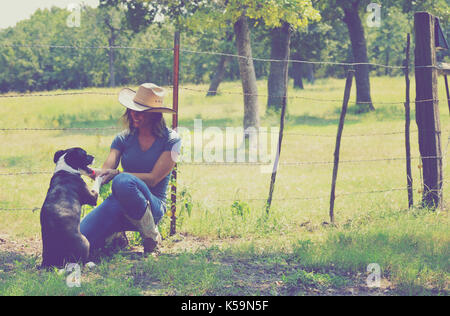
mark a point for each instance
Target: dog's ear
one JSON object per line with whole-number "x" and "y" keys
{"x": 58, "y": 155}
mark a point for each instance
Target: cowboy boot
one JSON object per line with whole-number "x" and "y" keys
{"x": 148, "y": 230}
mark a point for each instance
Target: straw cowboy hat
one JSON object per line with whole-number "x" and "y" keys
{"x": 149, "y": 98}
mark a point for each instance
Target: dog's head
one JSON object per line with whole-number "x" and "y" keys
{"x": 76, "y": 158}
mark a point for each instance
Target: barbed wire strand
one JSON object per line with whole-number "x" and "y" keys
{"x": 303, "y": 98}
{"x": 208, "y": 91}
{"x": 30, "y": 95}
{"x": 256, "y": 164}
{"x": 34, "y": 129}
{"x": 304, "y": 61}
{"x": 183, "y": 50}
{"x": 109, "y": 128}
{"x": 290, "y": 60}
{"x": 345, "y": 194}
{"x": 84, "y": 47}
{"x": 287, "y": 97}
{"x": 190, "y": 51}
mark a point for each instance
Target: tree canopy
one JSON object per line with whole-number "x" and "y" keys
{"x": 205, "y": 25}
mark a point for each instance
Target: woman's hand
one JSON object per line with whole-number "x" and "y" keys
{"x": 109, "y": 171}
{"x": 107, "y": 174}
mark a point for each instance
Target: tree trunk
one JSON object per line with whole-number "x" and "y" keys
{"x": 297, "y": 72}
{"x": 277, "y": 83}
{"x": 247, "y": 72}
{"x": 387, "y": 70}
{"x": 218, "y": 75}
{"x": 359, "y": 49}
{"x": 310, "y": 73}
{"x": 112, "y": 72}
{"x": 220, "y": 70}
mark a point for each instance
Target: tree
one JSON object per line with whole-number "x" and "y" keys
{"x": 221, "y": 66}
{"x": 184, "y": 14}
{"x": 216, "y": 13}
{"x": 283, "y": 18}
{"x": 349, "y": 13}
{"x": 278, "y": 15}
{"x": 112, "y": 18}
{"x": 387, "y": 43}
{"x": 278, "y": 77}
{"x": 247, "y": 71}
{"x": 32, "y": 65}
{"x": 359, "y": 48}
{"x": 138, "y": 14}
{"x": 314, "y": 44}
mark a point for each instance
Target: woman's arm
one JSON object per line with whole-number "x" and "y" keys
{"x": 162, "y": 168}
{"x": 109, "y": 168}
{"x": 112, "y": 162}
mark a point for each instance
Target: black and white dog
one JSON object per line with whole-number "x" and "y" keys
{"x": 60, "y": 214}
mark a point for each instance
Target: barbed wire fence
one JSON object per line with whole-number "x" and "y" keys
{"x": 9, "y": 173}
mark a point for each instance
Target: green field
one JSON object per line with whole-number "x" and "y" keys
{"x": 226, "y": 245}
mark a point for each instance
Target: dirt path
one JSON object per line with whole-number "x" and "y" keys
{"x": 16, "y": 250}
{"x": 249, "y": 276}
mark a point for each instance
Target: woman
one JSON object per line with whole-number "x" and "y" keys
{"x": 147, "y": 151}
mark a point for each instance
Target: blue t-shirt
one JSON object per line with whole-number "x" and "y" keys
{"x": 134, "y": 160}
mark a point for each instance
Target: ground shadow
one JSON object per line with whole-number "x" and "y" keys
{"x": 9, "y": 259}
{"x": 189, "y": 265}
{"x": 244, "y": 273}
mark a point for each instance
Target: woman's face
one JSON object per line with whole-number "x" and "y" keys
{"x": 139, "y": 119}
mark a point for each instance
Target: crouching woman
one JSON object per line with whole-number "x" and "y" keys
{"x": 147, "y": 150}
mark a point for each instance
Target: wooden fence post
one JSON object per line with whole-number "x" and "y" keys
{"x": 280, "y": 139}
{"x": 427, "y": 109}
{"x": 407, "y": 125}
{"x": 176, "y": 69}
{"x": 448, "y": 93}
{"x": 348, "y": 88}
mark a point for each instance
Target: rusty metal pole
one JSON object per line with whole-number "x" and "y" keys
{"x": 176, "y": 70}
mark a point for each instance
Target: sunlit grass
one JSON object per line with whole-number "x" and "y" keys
{"x": 368, "y": 203}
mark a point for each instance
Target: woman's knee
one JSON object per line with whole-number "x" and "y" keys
{"x": 122, "y": 183}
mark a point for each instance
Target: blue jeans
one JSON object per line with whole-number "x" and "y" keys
{"x": 130, "y": 196}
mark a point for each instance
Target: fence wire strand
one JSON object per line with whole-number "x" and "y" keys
{"x": 190, "y": 51}
{"x": 216, "y": 91}
{"x": 250, "y": 199}
{"x": 85, "y": 47}
{"x": 248, "y": 164}
{"x": 111, "y": 128}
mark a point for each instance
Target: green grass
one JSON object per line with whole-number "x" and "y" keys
{"x": 234, "y": 238}
{"x": 411, "y": 248}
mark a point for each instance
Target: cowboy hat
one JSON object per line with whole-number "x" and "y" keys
{"x": 149, "y": 98}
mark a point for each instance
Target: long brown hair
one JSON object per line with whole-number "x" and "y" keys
{"x": 156, "y": 123}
